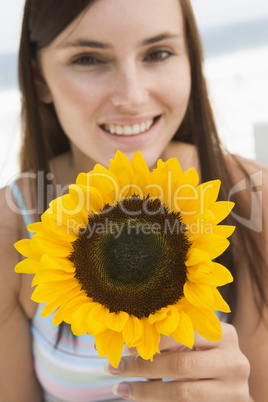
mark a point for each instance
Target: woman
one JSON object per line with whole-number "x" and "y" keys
{"x": 97, "y": 76}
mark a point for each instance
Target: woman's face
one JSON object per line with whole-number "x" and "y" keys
{"x": 119, "y": 78}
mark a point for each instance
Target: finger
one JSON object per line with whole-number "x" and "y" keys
{"x": 174, "y": 365}
{"x": 201, "y": 391}
{"x": 168, "y": 343}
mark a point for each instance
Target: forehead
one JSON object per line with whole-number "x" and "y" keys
{"x": 125, "y": 20}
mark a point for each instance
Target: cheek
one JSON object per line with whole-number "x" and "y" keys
{"x": 176, "y": 88}
{"x": 76, "y": 95}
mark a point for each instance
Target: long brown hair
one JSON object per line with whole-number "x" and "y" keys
{"x": 43, "y": 137}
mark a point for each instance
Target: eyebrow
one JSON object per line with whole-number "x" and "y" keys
{"x": 105, "y": 46}
{"x": 160, "y": 37}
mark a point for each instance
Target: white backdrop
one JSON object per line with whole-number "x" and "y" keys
{"x": 208, "y": 13}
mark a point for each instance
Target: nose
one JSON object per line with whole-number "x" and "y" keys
{"x": 129, "y": 89}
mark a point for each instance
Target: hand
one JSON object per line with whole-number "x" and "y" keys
{"x": 209, "y": 372}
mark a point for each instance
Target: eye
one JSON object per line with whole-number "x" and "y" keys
{"x": 158, "y": 55}
{"x": 86, "y": 60}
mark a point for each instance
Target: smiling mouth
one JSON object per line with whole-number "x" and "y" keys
{"x": 130, "y": 130}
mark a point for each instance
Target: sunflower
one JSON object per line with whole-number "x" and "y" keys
{"x": 128, "y": 255}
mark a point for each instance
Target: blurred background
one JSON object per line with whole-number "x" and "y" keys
{"x": 235, "y": 39}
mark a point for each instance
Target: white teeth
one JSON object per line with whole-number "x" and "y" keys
{"x": 119, "y": 130}
{"x": 129, "y": 130}
{"x": 136, "y": 129}
{"x": 148, "y": 125}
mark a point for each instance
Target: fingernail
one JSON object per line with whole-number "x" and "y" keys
{"x": 108, "y": 368}
{"x": 122, "y": 390}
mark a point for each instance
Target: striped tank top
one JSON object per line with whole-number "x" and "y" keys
{"x": 71, "y": 371}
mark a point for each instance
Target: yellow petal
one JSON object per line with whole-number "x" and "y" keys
{"x": 185, "y": 193}
{"x": 25, "y": 248}
{"x": 27, "y": 266}
{"x": 224, "y": 230}
{"x": 158, "y": 316}
{"x": 83, "y": 179}
{"x": 35, "y": 227}
{"x": 73, "y": 305}
{"x": 140, "y": 164}
{"x": 79, "y": 317}
{"x": 173, "y": 165}
{"x": 223, "y": 273}
{"x": 63, "y": 264}
{"x": 149, "y": 345}
{"x": 96, "y": 319}
{"x": 199, "y": 295}
{"x": 116, "y": 321}
{"x": 219, "y": 303}
{"x": 57, "y": 318}
{"x": 93, "y": 199}
{"x": 51, "y": 246}
{"x": 221, "y": 209}
{"x": 132, "y": 331}
{"x": 69, "y": 223}
{"x": 142, "y": 173}
{"x": 195, "y": 272}
{"x": 212, "y": 244}
{"x": 198, "y": 224}
{"x": 190, "y": 176}
{"x": 184, "y": 333}
{"x": 106, "y": 183}
{"x": 205, "y": 322}
{"x": 60, "y": 301}
{"x": 195, "y": 256}
{"x": 48, "y": 291}
{"x": 67, "y": 208}
{"x": 170, "y": 323}
{"x": 115, "y": 348}
{"x": 77, "y": 195}
{"x": 122, "y": 168}
{"x": 163, "y": 179}
{"x": 62, "y": 231}
{"x": 219, "y": 276}
{"x": 207, "y": 194}
{"x": 110, "y": 343}
{"x": 51, "y": 275}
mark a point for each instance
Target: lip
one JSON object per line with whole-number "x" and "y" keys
{"x": 128, "y": 121}
{"x": 137, "y": 139}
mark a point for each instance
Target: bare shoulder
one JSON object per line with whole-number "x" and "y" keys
{"x": 240, "y": 166}
{"x": 15, "y": 336}
{"x": 250, "y": 326}
{"x": 15, "y": 289}
{"x": 9, "y": 234}
{"x": 251, "y": 177}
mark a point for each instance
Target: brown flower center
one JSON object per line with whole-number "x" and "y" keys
{"x": 131, "y": 257}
